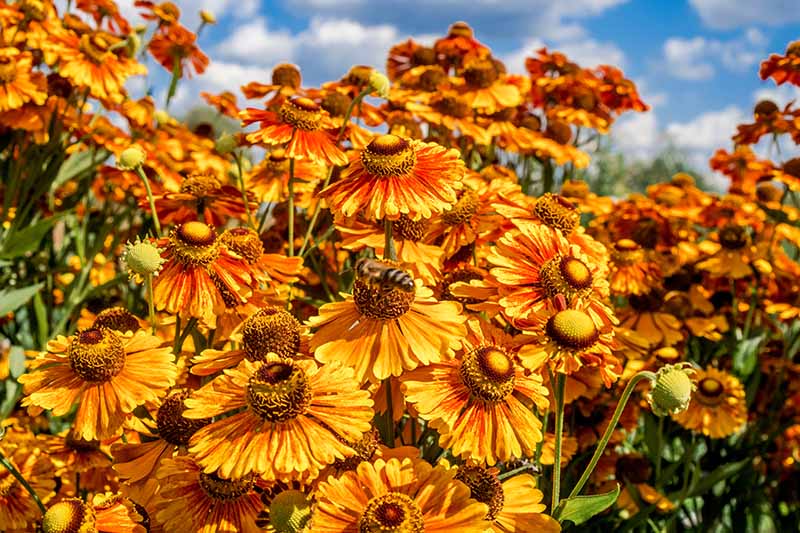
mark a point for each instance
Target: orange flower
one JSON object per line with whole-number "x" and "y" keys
{"x": 487, "y": 88}
{"x": 18, "y": 83}
{"x": 175, "y": 49}
{"x": 459, "y": 46}
{"x": 718, "y": 408}
{"x": 393, "y": 176}
{"x": 291, "y": 419}
{"x": 18, "y": 510}
{"x": 224, "y": 102}
{"x": 407, "y": 55}
{"x": 783, "y": 68}
{"x": 106, "y": 513}
{"x": 165, "y": 13}
{"x": 107, "y": 374}
{"x": 632, "y": 269}
{"x": 286, "y": 80}
{"x": 302, "y": 125}
{"x": 453, "y": 112}
{"x": 269, "y": 179}
{"x": 105, "y": 9}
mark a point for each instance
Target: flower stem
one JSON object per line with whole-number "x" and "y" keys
{"x": 559, "y": 392}
{"x": 291, "y": 207}
{"x": 156, "y": 222}
{"x": 659, "y": 444}
{"x": 150, "y": 301}
{"x": 389, "y": 251}
{"x": 14, "y": 472}
{"x": 317, "y": 208}
{"x": 238, "y": 157}
{"x": 349, "y": 112}
{"x": 601, "y": 446}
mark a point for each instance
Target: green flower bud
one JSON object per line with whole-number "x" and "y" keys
{"x": 226, "y": 143}
{"x": 379, "y": 84}
{"x": 672, "y": 389}
{"x": 290, "y": 511}
{"x": 142, "y": 258}
{"x": 130, "y": 158}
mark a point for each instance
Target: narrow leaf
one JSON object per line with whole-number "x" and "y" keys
{"x": 14, "y": 299}
{"x": 581, "y": 508}
{"x": 27, "y": 240}
{"x": 745, "y": 355}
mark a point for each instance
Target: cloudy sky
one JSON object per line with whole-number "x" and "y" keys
{"x": 695, "y": 61}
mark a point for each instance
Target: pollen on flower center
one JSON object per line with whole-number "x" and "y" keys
{"x": 286, "y": 75}
{"x": 365, "y": 448}
{"x": 336, "y": 103}
{"x": 116, "y": 318}
{"x": 464, "y": 210}
{"x": 96, "y": 47}
{"x": 465, "y": 274}
{"x": 733, "y": 237}
{"x": 8, "y": 70}
{"x": 244, "y": 242}
{"x": 172, "y": 426}
{"x": 226, "y": 490}
{"x": 557, "y": 212}
{"x": 484, "y": 487}
{"x": 67, "y": 516}
{"x": 302, "y": 113}
{"x": 626, "y": 252}
{"x": 391, "y": 513}
{"x": 488, "y": 373}
{"x": 454, "y": 106}
{"x": 381, "y": 303}
{"x": 572, "y": 329}
{"x": 565, "y": 275}
{"x": 279, "y": 392}
{"x": 194, "y": 243}
{"x": 96, "y": 354}
{"x": 709, "y": 391}
{"x": 270, "y": 330}
{"x": 200, "y": 184}
{"x": 481, "y": 74}
{"x": 388, "y": 155}
{"x": 410, "y": 230}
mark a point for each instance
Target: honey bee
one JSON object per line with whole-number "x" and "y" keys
{"x": 375, "y": 273}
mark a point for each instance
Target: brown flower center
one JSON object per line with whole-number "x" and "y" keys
{"x": 557, "y": 212}
{"x": 793, "y": 49}
{"x": 394, "y": 512}
{"x": 336, "y": 103}
{"x": 431, "y": 78}
{"x": 68, "y": 516}
{"x": 270, "y": 330}
{"x": 768, "y": 192}
{"x": 95, "y": 46}
{"x": 33, "y": 9}
{"x": 792, "y": 167}
{"x": 8, "y": 69}
{"x": 626, "y": 252}
{"x": 463, "y": 211}
{"x": 225, "y": 490}
{"x": 667, "y": 355}
{"x": 460, "y": 29}
{"x": 488, "y": 373}
{"x": 559, "y": 131}
{"x": 423, "y": 55}
{"x": 364, "y": 449}
{"x": 409, "y": 230}
{"x": 116, "y": 318}
{"x": 172, "y": 426}
{"x": 388, "y": 155}
{"x": 200, "y": 185}
{"x": 710, "y": 392}
{"x": 575, "y": 189}
{"x": 481, "y": 74}
{"x": 565, "y": 275}
{"x": 531, "y": 122}
{"x": 381, "y": 303}
{"x": 194, "y": 243}
{"x": 484, "y": 487}
{"x": 76, "y": 443}
{"x": 96, "y": 354}
{"x": 733, "y": 237}
{"x": 451, "y": 105}
{"x": 572, "y": 329}
{"x": 279, "y": 392}
{"x": 286, "y": 75}
{"x": 465, "y": 274}
{"x": 302, "y": 113}
{"x": 244, "y": 242}
{"x": 358, "y": 75}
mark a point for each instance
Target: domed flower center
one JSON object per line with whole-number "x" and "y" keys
{"x": 423, "y": 56}
{"x": 116, "y": 318}
{"x": 452, "y": 105}
{"x": 391, "y": 513}
{"x": 633, "y": 469}
{"x": 226, "y": 490}
{"x": 76, "y": 443}
{"x": 768, "y": 192}
{"x": 336, "y": 103}
{"x": 626, "y": 252}
{"x": 389, "y": 155}
{"x": 404, "y": 126}
{"x": 431, "y": 78}
{"x": 504, "y": 115}
{"x": 8, "y": 69}
{"x": 194, "y": 243}
{"x": 733, "y": 237}
{"x": 793, "y": 49}
{"x": 289, "y": 510}
{"x": 96, "y": 354}
{"x": 710, "y": 392}
{"x": 172, "y": 426}
{"x": 168, "y": 11}
{"x": 792, "y": 167}
{"x": 95, "y": 46}
{"x": 572, "y": 329}
{"x": 559, "y": 131}
{"x": 68, "y": 516}
{"x": 286, "y": 75}
{"x": 270, "y": 330}
{"x": 380, "y": 303}
{"x": 244, "y": 242}
{"x": 465, "y": 274}
{"x": 531, "y": 122}
{"x": 200, "y": 185}
{"x": 667, "y": 355}
{"x": 279, "y": 392}
{"x": 358, "y": 75}
{"x": 557, "y": 212}
{"x": 460, "y": 29}
{"x": 302, "y": 113}
{"x": 565, "y": 275}
{"x": 481, "y": 74}
{"x": 463, "y": 211}
{"x": 484, "y": 486}
{"x": 575, "y": 189}
{"x": 646, "y": 303}
{"x": 410, "y": 230}
{"x": 488, "y": 373}
{"x": 364, "y": 449}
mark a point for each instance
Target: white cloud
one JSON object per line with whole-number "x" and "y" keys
{"x": 781, "y": 95}
{"x": 695, "y": 58}
{"x": 727, "y": 14}
{"x": 638, "y": 135}
{"x": 257, "y": 42}
{"x": 707, "y": 131}
{"x": 684, "y": 58}
{"x": 585, "y": 51}
{"x": 223, "y": 76}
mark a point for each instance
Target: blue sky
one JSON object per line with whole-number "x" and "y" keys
{"x": 696, "y": 61}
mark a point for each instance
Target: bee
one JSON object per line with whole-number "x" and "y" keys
{"x": 374, "y": 273}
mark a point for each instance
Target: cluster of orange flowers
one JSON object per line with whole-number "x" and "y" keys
{"x": 376, "y": 326}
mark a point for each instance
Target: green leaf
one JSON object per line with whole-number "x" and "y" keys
{"x": 16, "y": 361}
{"x": 27, "y": 240}
{"x": 42, "y": 325}
{"x": 14, "y": 299}
{"x": 745, "y": 355}
{"x": 581, "y": 508}
{"x": 77, "y": 165}
{"x": 719, "y": 474}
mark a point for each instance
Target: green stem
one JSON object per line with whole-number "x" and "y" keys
{"x": 238, "y": 157}
{"x": 176, "y": 75}
{"x": 291, "y": 207}
{"x": 156, "y": 223}
{"x": 14, "y": 472}
{"x": 601, "y": 446}
{"x": 540, "y": 445}
{"x": 514, "y": 472}
{"x": 389, "y": 251}
{"x": 317, "y": 208}
{"x": 349, "y": 112}
{"x": 559, "y": 392}
{"x": 657, "y": 451}
{"x": 150, "y": 301}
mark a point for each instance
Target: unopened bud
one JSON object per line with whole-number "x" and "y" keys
{"x": 290, "y": 511}
{"x": 226, "y": 143}
{"x": 672, "y": 389}
{"x": 130, "y": 158}
{"x": 379, "y": 84}
{"x": 142, "y": 258}
{"x": 207, "y": 17}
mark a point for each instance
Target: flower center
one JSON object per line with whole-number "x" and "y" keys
{"x": 279, "y": 392}
{"x": 410, "y": 230}
{"x": 336, "y": 103}
{"x": 8, "y": 70}
{"x": 381, "y": 303}
{"x": 465, "y": 274}
{"x": 792, "y": 167}
{"x": 463, "y": 211}
{"x": 286, "y": 75}
{"x": 423, "y": 56}
{"x": 481, "y": 74}
{"x": 116, "y": 318}
{"x": 200, "y": 185}
{"x": 575, "y": 189}
{"x": 768, "y": 192}
{"x": 572, "y": 329}
{"x": 225, "y": 490}
{"x": 793, "y": 49}
{"x": 67, "y": 516}
{"x": 95, "y": 46}
{"x": 358, "y": 75}
{"x": 76, "y": 443}
{"x": 709, "y": 392}
{"x": 733, "y": 237}
{"x": 667, "y": 354}
{"x": 302, "y": 113}
{"x": 172, "y": 426}
{"x": 194, "y": 243}
{"x": 626, "y": 252}
{"x": 646, "y": 303}
{"x": 557, "y": 212}
{"x": 388, "y": 155}
{"x": 391, "y": 513}
{"x": 244, "y": 242}
{"x": 484, "y": 486}
{"x": 460, "y": 29}
{"x": 565, "y": 275}
{"x": 431, "y": 78}
{"x": 488, "y": 373}
{"x": 633, "y": 469}
{"x": 96, "y": 354}
{"x": 365, "y": 448}
{"x": 289, "y": 510}
{"x": 452, "y": 105}
{"x": 270, "y": 330}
